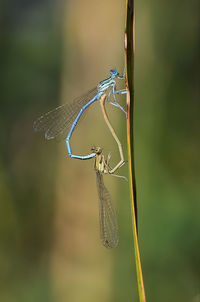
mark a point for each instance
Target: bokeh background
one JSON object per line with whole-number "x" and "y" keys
{"x": 52, "y": 52}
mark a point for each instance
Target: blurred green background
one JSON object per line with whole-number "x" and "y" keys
{"x": 51, "y": 52}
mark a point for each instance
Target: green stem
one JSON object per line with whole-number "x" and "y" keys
{"x": 129, "y": 65}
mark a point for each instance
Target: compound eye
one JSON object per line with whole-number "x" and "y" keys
{"x": 114, "y": 72}
{"x": 98, "y": 150}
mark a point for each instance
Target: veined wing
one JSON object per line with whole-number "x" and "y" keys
{"x": 57, "y": 122}
{"x": 107, "y": 215}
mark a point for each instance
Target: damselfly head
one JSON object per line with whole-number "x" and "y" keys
{"x": 96, "y": 150}
{"x": 114, "y": 72}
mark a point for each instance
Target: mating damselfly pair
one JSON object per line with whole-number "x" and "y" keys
{"x": 62, "y": 121}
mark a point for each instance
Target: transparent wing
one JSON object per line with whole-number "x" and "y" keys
{"x": 107, "y": 215}
{"x": 56, "y": 123}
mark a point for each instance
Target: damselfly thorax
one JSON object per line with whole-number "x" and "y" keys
{"x": 101, "y": 164}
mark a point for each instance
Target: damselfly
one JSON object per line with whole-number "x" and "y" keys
{"x": 107, "y": 214}
{"x": 62, "y": 121}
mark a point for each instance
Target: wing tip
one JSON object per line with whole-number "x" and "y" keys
{"x": 110, "y": 244}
